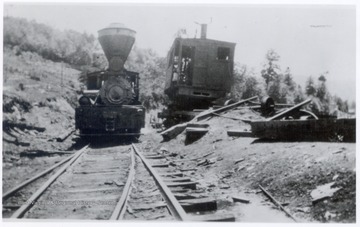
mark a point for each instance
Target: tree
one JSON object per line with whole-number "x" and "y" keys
{"x": 271, "y": 69}
{"x": 310, "y": 89}
{"x": 322, "y": 91}
{"x": 288, "y": 80}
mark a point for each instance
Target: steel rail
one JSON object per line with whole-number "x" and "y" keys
{"x": 120, "y": 208}
{"x": 23, "y": 184}
{"x": 31, "y": 201}
{"x": 174, "y": 206}
{"x": 277, "y": 203}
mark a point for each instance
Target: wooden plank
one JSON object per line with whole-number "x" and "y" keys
{"x": 240, "y": 133}
{"x": 65, "y": 135}
{"x": 197, "y": 125}
{"x": 191, "y": 185}
{"x": 182, "y": 196}
{"x": 287, "y": 111}
{"x": 241, "y": 200}
{"x": 155, "y": 157}
{"x": 196, "y": 130}
{"x": 239, "y": 160}
{"x": 225, "y": 108}
{"x": 197, "y": 205}
{"x": 160, "y": 165}
{"x": 148, "y": 206}
{"x": 94, "y": 172}
{"x": 179, "y": 190}
{"x": 21, "y": 211}
{"x": 178, "y": 179}
{"x": 169, "y": 174}
{"x": 186, "y": 170}
{"x": 214, "y": 217}
{"x": 173, "y": 131}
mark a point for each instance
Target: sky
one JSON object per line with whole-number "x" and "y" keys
{"x": 310, "y": 39}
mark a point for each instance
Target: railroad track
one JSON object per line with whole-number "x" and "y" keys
{"x": 118, "y": 183}
{"x": 94, "y": 184}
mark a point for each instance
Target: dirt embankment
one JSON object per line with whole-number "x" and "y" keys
{"x": 39, "y": 97}
{"x": 290, "y": 171}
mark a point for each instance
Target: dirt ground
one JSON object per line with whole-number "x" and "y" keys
{"x": 290, "y": 171}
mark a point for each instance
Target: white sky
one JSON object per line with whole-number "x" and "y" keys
{"x": 309, "y": 39}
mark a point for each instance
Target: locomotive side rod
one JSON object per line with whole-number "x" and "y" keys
{"x": 30, "y": 202}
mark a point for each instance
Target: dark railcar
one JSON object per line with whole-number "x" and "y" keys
{"x": 111, "y": 104}
{"x": 199, "y": 72}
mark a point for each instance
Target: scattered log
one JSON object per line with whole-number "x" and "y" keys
{"x": 172, "y": 132}
{"x": 178, "y": 179}
{"x": 289, "y": 110}
{"x": 240, "y": 133}
{"x": 179, "y": 128}
{"x": 8, "y": 124}
{"x": 17, "y": 142}
{"x": 185, "y": 170}
{"x": 239, "y": 160}
{"x": 41, "y": 153}
{"x": 64, "y": 136}
{"x": 155, "y": 157}
{"x": 206, "y": 162}
{"x": 197, "y": 125}
{"x": 241, "y": 200}
{"x": 178, "y": 174}
{"x": 160, "y": 165}
{"x": 180, "y": 196}
{"x": 234, "y": 118}
{"x": 222, "y": 109}
{"x": 190, "y": 130}
{"x": 179, "y": 190}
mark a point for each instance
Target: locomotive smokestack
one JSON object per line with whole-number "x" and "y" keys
{"x": 203, "y": 31}
{"x": 116, "y": 41}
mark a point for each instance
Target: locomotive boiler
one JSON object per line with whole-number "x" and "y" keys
{"x": 199, "y": 71}
{"x": 110, "y": 105}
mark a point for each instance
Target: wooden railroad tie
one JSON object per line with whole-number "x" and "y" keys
{"x": 197, "y": 205}
{"x": 191, "y": 185}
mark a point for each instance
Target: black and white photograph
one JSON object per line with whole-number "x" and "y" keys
{"x": 176, "y": 112}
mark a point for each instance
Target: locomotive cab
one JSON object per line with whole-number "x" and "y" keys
{"x": 199, "y": 69}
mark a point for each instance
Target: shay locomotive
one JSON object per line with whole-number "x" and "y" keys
{"x": 110, "y": 105}
{"x": 200, "y": 71}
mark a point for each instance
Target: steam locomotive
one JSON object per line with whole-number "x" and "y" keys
{"x": 110, "y": 105}
{"x": 200, "y": 71}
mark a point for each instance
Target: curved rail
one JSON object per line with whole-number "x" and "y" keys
{"x": 173, "y": 205}
{"x": 28, "y": 204}
{"x": 23, "y": 184}
{"x": 120, "y": 208}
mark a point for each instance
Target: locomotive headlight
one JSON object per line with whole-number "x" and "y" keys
{"x": 84, "y": 101}
{"x": 115, "y": 94}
